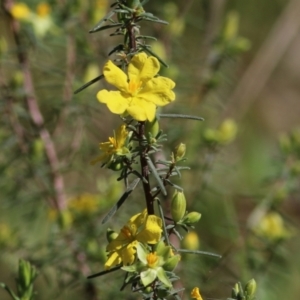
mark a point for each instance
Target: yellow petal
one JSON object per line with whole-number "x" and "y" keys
{"x": 114, "y": 259}
{"x": 115, "y": 76}
{"x": 115, "y": 102}
{"x": 128, "y": 253}
{"x": 158, "y": 91}
{"x": 121, "y": 136}
{"x": 141, "y": 110}
{"x": 143, "y": 68}
{"x": 195, "y": 294}
{"x": 151, "y": 234}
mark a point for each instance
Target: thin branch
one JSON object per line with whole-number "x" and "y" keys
{"x": 34, "y": 111}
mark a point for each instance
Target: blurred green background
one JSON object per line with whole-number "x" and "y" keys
{"x": 235, "y": 63}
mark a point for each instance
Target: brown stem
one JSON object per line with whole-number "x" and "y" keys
{"x": 35, "y": 113}
{"x": 145, "y": 171}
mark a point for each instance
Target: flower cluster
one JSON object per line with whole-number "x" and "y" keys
{"x": 141, "y": 228}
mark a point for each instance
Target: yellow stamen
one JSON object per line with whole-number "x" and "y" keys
{"x": 152, "y": 259}
{"x": 134, "y": 87}
{"x": 43, "y": 9}
{"x": 126, "y": 231}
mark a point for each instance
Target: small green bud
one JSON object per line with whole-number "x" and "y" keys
{"x": 148, "y": 289}
{"x": 179, "y": 152}
{"x": 151, "y": 129}
{"x": 65, "y": 219}
{"x": 171, "y": 263}
{"x": 250, "y": 289}
{"x": 116, "y": 165}
{"x": 191, "y": 218}
{"x": 235, "y": 293}
{"x": 24, "y": 274}
{"x": 178, "y": 206}
{"x": 111, "y": 235}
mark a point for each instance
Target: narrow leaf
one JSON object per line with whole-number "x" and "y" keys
{"x": 103, "y": 20}
{"x": 104, "y": 272}
{"x": 163, "y": 222}
{"x": 156, "y": 176}
{"x": 89, "y": 83}
{"x": 146, "y": 49}
{"x": 199, "y": 252}
{"x": 106, "y": 27}
{"x": 114, "y": 209}
{"x": 174, "y": 185}
{"x": 179, "y": 116}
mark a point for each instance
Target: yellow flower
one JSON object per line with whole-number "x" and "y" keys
{"x": 227, "y": 131}
{"x": 141, "y": 228}
{"x": 195, "y": 294}
{"x": 138, "y": 93}
{"x": 85, "y": 203}
{"x": 20, "y": 11}
{"x": 5, "y": 234}
{"x": 114, "y": 146}
{"x": 43, "y": 9}
{"x": 272, "y": 227}
{"x": 191, "y": 241}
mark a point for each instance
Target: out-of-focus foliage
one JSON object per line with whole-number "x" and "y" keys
{"x": 245, "y": 158}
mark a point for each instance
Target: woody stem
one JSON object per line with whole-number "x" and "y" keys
{"x": 145, "y": 170}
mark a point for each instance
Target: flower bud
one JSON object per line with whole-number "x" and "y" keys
{"x": 179, "y": 152}
{"x": 250, "y": 288}
{"x": 116, "y": 165}
{"x": 235, "y": 291}
{"x": 24, "y": 274}
{"x": 227, "y": 131}
{"x": 151, "y": 129}
{"x": 111, "y": 235}
{"x": 191, "y": 241}
{"x": 178, "y": 206}
{"x": 191, "y": 218}
{"x": 65, "y": 219}
{"x": 171, "y": 263}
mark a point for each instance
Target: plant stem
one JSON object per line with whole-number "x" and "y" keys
{"x": 145, "y": 170}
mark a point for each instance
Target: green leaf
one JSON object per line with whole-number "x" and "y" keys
{"x": 104, "y": 272}
{"x": 103, "y": 20}
{"x": 89, "y": 83}
{"x": 163, "y": 277}
{"x": 146, "y": 49}
{"x": 106, "y": 27}
{"x": 114, "y": 209}
{"x": 180, "y": 116}
{"x": 150, "y": 17}
{"x": 177, "y": 187}
{"x": 148, "y": 276}
{"x": 130, "y": 269}
{"x": 161, "y": 212}
{"x": 146, "y": 37}
{"x": 199, "y": 252}
{"x": 156, "y": 176}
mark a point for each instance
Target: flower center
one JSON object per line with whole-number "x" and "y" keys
{"x": 152, "y": 260}
{"x": 127, "y": 232}
{"x": 134, "y": 87}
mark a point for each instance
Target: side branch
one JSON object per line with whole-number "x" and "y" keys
{"x": 35, "y": 113}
